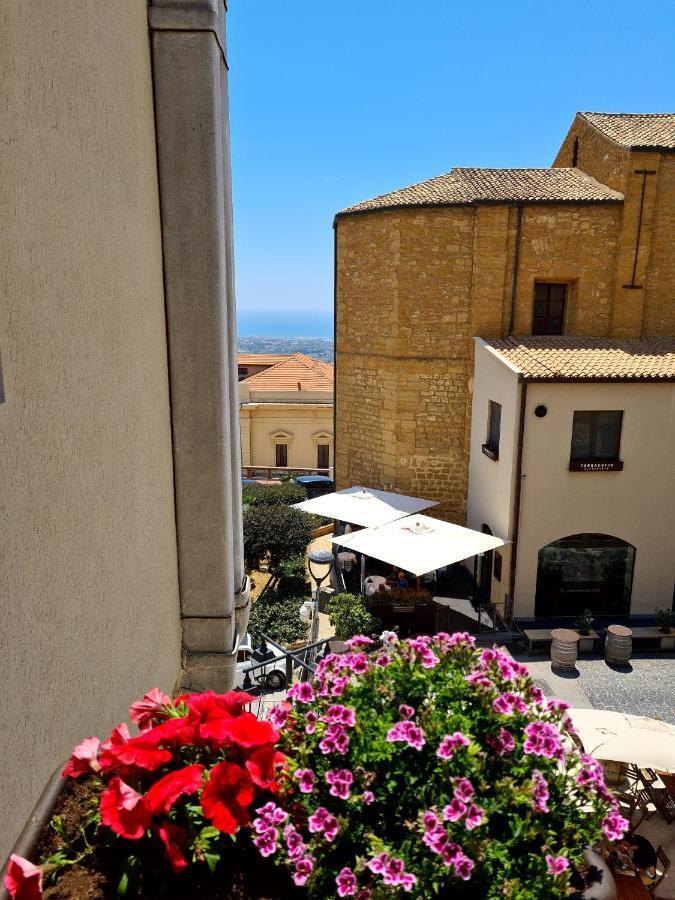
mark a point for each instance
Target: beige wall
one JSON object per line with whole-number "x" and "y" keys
{"x": 635, "y": 505}
{"x": 304, "y": 424}
{"x": 88, "y": 586}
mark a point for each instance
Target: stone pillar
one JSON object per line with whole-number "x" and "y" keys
{"x": 193, "y": 151}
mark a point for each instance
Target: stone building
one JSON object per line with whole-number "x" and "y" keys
{"x": 581, "y": 248}
{"x": 286, "y": 412}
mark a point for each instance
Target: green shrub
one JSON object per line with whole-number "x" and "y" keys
{"x": 291, "y": 577}
{"x": 273, "y": 494}
{"x": 665, "y": 620}
{"x": 278, "y": 618}
{"x": 274, "y": 533}
{"x": 349, "y": 616}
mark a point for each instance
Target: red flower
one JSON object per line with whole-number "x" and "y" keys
{"x": 164, "y": 793}
{"x": 23, "y": 880}
{"x": 261, "y": 766}
{"x": 227, "y": 795}
{"x": 173, "y": 837}
{"x": 144, "y": 712}
{"x": 247, "y": 731}
{"x": 119, "y": 735}
{"x": 84, "y": 759}
{"x": 123, "y": 810}
{"x": 174, "y": 732}
{"x": 141, "y": 753}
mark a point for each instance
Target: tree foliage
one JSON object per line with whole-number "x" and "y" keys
{"x": 349, "y": 616}
{"x": 275, "y": 533}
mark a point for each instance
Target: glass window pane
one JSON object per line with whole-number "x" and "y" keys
{"x": 557, "y": 292}
{"x": 581, "y": 436}
{"x": 540, "y": 291}
{"x": 607, "y": 435}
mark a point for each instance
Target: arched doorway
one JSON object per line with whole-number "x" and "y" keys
{"x": 585, "y": 571}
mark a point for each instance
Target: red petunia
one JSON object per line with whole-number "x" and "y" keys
{"x": 119, "y": 735}
{"x": 164, "y": 793}
{"x": 173, "y": 837}
{"x": 23, "y": 880}
{"x": 247, "y": 731}
{"x": 141, "y": 753}
{"x": 84, "y": 759}
{"x": 124, "y": 810}
{"x": 227, "y": 795}
{"x": 144, "y": 712}
{"x": 261, "y": 766}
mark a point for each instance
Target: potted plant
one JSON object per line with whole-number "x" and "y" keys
{"x": 165, "y": 813}
{"x": 584, "y": 625}
{"x": 665, "y": 622}
{"x": 433, "y": 768}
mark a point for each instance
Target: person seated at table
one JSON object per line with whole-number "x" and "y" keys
{"x": 392, "y": 577}
{"x": 642, "y": 855}
{"x": 401, "y": 580}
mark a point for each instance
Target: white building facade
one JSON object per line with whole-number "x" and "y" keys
{"x": 572, "y": 461}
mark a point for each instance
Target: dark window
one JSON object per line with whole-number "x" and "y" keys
{"x": 549, "y": 308}
{"x": 491, "y": 445}
{"x": 281, "y": 455}
{"x": 497, "y": 569}
{"x": 596, "y": 436}
{"x": 323, "y": 456}
{"x": 242, "y": 372}
{"x": 575, "y": 153}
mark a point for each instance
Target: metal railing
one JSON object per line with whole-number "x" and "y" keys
{"x": 304, "y": 658}
{"x": 274, "y": 471}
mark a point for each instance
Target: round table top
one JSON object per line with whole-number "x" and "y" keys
{"x": 565, "y": 635}
{"x": 619, "y": 630}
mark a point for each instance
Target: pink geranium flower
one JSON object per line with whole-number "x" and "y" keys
{"x": 556, "y": 864}
{"x": 144, "y": 712}
{"x": 346, "y": 883}
{"x": 305, "y": 780}
{"x": 450, "y": 743}
{"x": 84, "y": 759}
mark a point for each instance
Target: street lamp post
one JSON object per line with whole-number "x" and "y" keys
{"x": 317, "y": 558}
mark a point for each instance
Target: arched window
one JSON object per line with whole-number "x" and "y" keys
{"x": 585, "y": 571}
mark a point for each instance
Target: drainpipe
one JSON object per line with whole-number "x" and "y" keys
{"x": 189, "y": 70}
{"x": 516, "y": 498}
{"x": 335, "y": 368}
{"x": 516, "y": 262}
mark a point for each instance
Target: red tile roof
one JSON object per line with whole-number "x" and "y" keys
{"x": 589, "y": 359}
{"x": 311, "y": 374}
{"x": 260, "y": 359}
{"x": 636, "y": 131}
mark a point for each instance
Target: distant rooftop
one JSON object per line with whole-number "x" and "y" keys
{"x": 636, "y": 131}
{"x": 260, "y": 359}
{"x": 588, "y": 359}
{"x": 468, "y": 187}
{"x": 293, "y": 373}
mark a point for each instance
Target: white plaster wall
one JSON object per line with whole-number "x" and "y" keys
{"x": 491, "y": 482}
{"x": 89, "y": 610}
{"x": 636, "y": 504}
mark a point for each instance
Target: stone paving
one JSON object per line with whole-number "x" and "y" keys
{"x": 645, "y": 688}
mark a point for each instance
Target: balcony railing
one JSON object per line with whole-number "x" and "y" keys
{"x": 276, "y": 471}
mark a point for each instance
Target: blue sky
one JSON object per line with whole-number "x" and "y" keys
{"x": 332, "y": 103}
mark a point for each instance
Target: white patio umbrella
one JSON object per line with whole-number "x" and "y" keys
{"x": 620, "y": 737}
{"x": 364, "y": 506}
{"x": 419, "y": 544}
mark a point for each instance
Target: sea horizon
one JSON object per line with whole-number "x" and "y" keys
{"x": 270, "y": 323}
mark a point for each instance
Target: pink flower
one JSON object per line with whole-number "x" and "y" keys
{"x": 368, "y": 797}
{"x": 357, "y": 662}
{"x": 408, "y": 880}
{"x": 377, "y": 863}
{"x": 450, "y": 743}
{"x": 405, "y": 711}
{"x": 272, "y": 814}
{"x": 464, "y": 790}
{"x": 407, "y": 732}
{"x": 543, "y": 739}
{"x": 454, "y": 811}
{"x": 306, "y": 780}
{"x": 502, "y": 743}
{"x": 23, "y": 880}
{"x": 475, "y": 816}
{"x": 146, "y": 711}
{"x": 556, "y": 864}
{"x": 266, "y": 841}
{"x": 346, "y": 883}
{"x": 340, "y": 715}
{"x": 330, "y": 828}
{"x": 278, "y": 715}
{"x": 359, "y": 640}
{"x": 463, "y": 866}
{"x": 540, "y": 792}
{"x": 123, "y": 810}
{"x": 294, "y": 843}
{"x": 317, "y": 821}
{"x": 335, "y": 740}
{"x": 614, "y": 826}
{"x": 303, "y": 692}
{"x": 383, "y": 660}
{"x": 84, "y": 759}
{"x": 311, "y": 719}
{"x": 303, "y": 869}
{"x": 340, "y": 781}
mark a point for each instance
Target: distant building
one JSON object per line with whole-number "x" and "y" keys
{"x": 572, "y": 461}
{"x": 286, "y": 411}
{"x": 582, "y": 248}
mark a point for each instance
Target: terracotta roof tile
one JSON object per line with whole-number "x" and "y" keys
{"x": 637, "y": 131}
{"x": 589, "y": 359}
{"x": 260, "y": 359}
{"x": 311, "y": 374}
{"x": 462, "y": 187}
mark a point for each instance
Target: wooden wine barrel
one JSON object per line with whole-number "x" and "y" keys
{"x": 564, "y": 648}
{"x": 618, "y": 645}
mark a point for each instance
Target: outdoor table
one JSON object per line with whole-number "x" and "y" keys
{"x": 373, "y": 583}
{"x": 630, "y": 887}
{"x": 669, "y": 782}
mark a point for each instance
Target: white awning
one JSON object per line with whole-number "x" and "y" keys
{"x": 364, "y": 506}
{"x": 419, "y": 544}
{"x": 620, "y": 737}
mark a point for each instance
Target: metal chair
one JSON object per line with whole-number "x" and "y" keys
{"x": 665, "y": 865}
{"x": 663, "y": 802}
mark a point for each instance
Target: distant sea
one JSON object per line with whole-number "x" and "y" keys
{"x": 278, "y": 323}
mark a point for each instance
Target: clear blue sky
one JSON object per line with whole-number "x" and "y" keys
{"x": 332, "y": 103}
